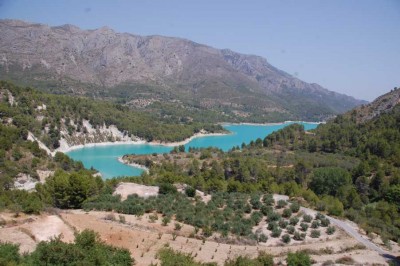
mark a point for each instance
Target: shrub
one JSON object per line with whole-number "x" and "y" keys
{"x": 290, "y": 229}
{"x": 272, "y": 225}
{"x": 307, "y": 218}
{"x": 165, "y": 220}
{"x": 122, "y": 219}
{"x": 266, "y": 210}
{"x": 319, "y": 216}
{"x": 299, "y": 258}
{"x": 299, "y": 236}
{"x": 153, "y": 218}
{"x": 287, "y": 213}
{"x": 304, "y": 226}
{"x": 295, "y": 207}
{"x": 247, "y": 208}
{"x": 281, "y": 204}
{"x": 256, "y": 217}
{"x": 9, "y": 254}
{"x": 294, "y": 220}
{"x": 190, "y": 191}
{"x": 276, "y": 232}
{"x": 265, "y": 259}
{"x": 286, "y": 238}
{"x": 262, "y": 238}
{"x": 268, "y": 199}
{"x": 315, "y": 224}
{"x": 315, "y": 233}
{"x": 283, "y": 224}
{"x": 178, "y": 226}
{"x": 325, "y": 222}
{"x": 167, "y": 188}
{"x": 330, "y": 230}
{"x": 169, "y": 257}
{"x": 274, "y": 216}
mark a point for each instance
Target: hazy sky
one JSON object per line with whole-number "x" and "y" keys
{"x": 347, "y": 46}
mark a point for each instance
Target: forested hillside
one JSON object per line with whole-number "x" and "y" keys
{"x": 344, "y": 168}
{"x": 52, "y": 117}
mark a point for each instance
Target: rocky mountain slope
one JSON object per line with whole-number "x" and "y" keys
{"x": 383, "y": 104}
{"x": 149, "y": 69}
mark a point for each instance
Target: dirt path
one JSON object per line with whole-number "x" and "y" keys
{"x": 351, "y": 231}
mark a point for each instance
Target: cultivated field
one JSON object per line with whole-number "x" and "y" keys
{"x": 144, "y": 236}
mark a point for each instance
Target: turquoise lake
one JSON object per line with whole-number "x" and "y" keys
{"x": 105, "y": 158}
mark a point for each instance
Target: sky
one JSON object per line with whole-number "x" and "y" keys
{"x": 348, "y": 46}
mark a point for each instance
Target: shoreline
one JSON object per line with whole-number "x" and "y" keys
{"x": 268, "y": 124}
{"x": 68, "y": 148}
{"x": 136, "y": 165}
{"x": 137, "y": 142}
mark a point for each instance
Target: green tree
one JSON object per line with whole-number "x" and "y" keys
{"x": 299, "y": 258}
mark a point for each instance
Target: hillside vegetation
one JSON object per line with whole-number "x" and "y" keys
{"x": 52, "y": 117}
{"x": 344, "y": 168}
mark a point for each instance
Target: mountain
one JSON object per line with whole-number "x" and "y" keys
{"x": 144, "y": 71}
{"x": 383, "y": 104}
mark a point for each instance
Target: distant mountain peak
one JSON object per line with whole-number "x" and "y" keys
{"x": 102, "y": 62}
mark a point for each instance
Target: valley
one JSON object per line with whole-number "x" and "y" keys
{"x": 125, "y": 149}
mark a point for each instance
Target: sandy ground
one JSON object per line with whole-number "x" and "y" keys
{"x": 125, "y": 189}
{"x": 27, "y": 231}
{"x": 144, "y": 238}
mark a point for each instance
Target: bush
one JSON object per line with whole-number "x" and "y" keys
{"x": 122, "y": 219}
{"x": 319, "y": 216}
{"x": 266, "y": 210}
{"x": 290, "y": 229}
{"x": 286, "y": 238}
{"x": 190, "y": 191}
{"x": 167, "y": 188}
{"x": 247, "y": 208}
{"x": 276, "y": 232}
{"x": 287, "y": 213}
{"x": 281, "y": 204}
{"x": 262, "y": 238}
{"x": 299, "y": 236}
{"x": 315, "y": 233}
{"x": 268, "y": 199}
{"x": 9, "y": 254}
{"x": 256, "y": 217}
{"x": 295, "y": 207}
{"x": 283, "y": 224}
{"x": 272, "y": 225}
{"x": 299, "y": 258}
{"x": 325, "y": 222}
{"x": 265, "y": 259}
{"x": 304, "y": 227}
{"x": 294, "y": 220}
{"x": 274, "y": 217}
{"x": 330, "y": 230}
{"x": 315, "y": 224}
{"x": 169, "y": 257}
{"x": 307, "y": 218}
{"x": 178, "y": 226}
{"x": 87, "y": 250}
{"x": 165, "y": 220}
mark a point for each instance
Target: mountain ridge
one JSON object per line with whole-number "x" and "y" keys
{"x": 102, "y": 62}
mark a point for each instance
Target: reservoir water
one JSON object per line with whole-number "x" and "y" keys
{"x": 105, "y": 158}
